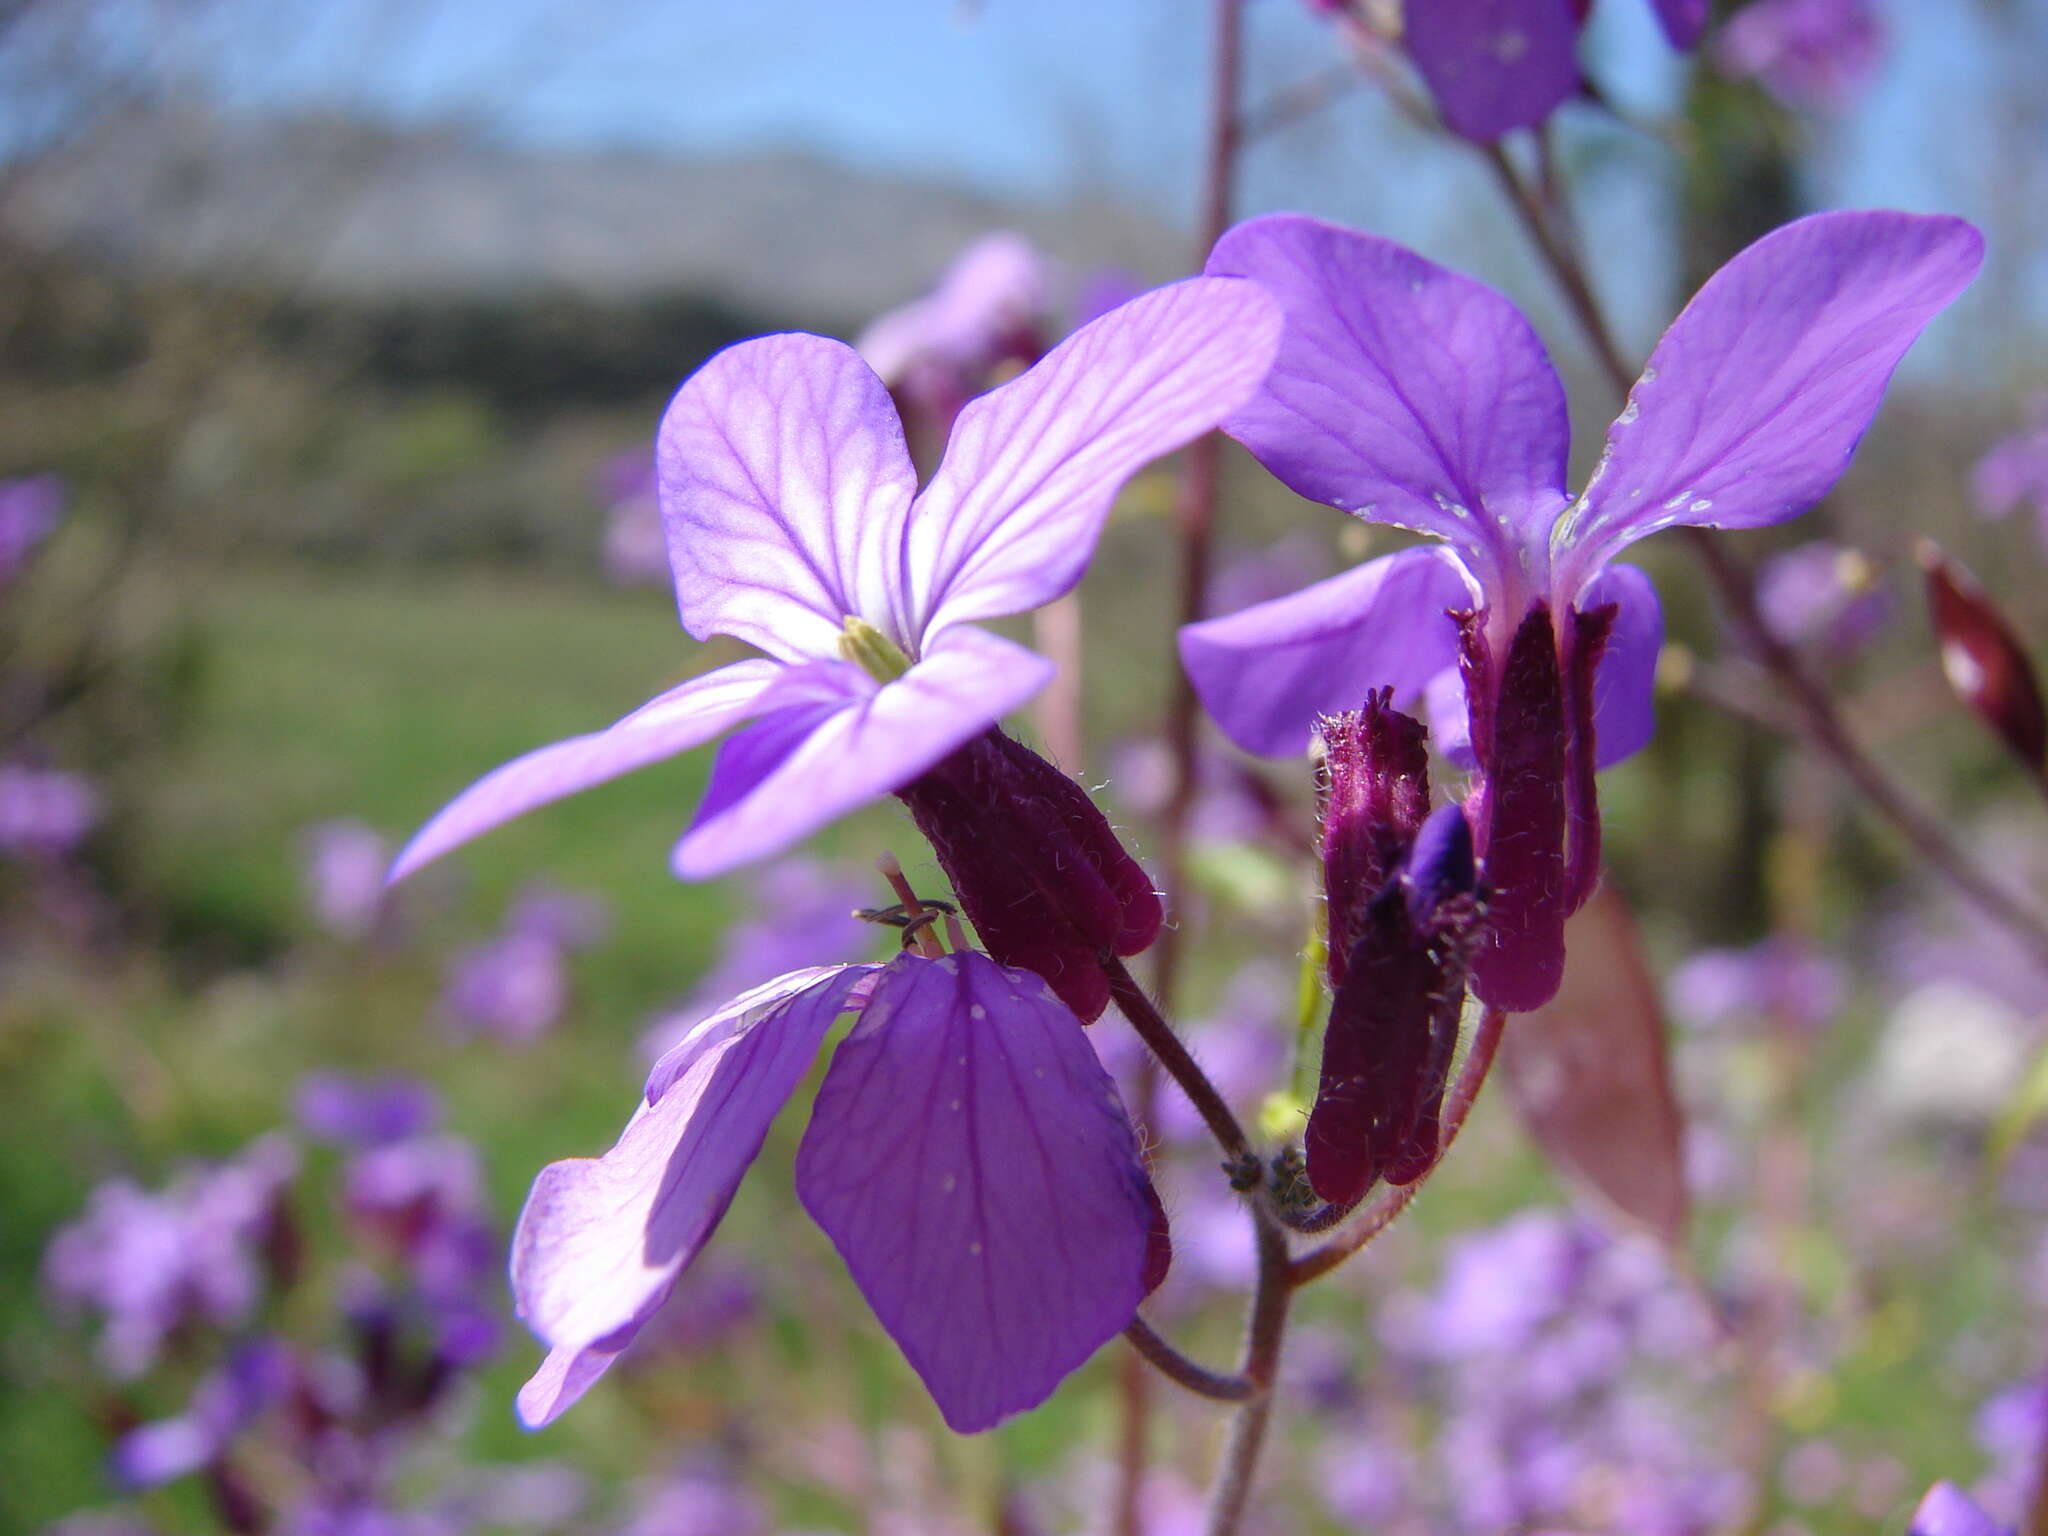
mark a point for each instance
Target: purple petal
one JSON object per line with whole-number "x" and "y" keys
{"x": 1011, "y": 517}
{"x": 1948, "y": 1511}
{"x": 685, "y": 716}
{"x": 1493, "y": 65}
{"x": 1265, "y": 674}
{"x": 972, "y": 1162}
{"x": 1756, "y": 397}
{"x": 784, "y": 481}
{"x": 602, "y": 1240}
{"x": 800, "y": 767}
{"x": 1404, "y": 393}
{"x": 1625, "y": 684}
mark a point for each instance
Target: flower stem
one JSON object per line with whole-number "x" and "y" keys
{"x": 1171, "y": 1362}
{"x": 1822, "y": 720}
{"x": 1318, "y": 1262}
{"x": 1166, "y": 1048}
{"x": 1263, "y": 1335}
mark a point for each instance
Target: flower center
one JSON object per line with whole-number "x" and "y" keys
{"x": 872, "y": 651}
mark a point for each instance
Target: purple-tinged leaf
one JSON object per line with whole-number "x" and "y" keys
{"x": 1984, "y": 661}
{"x": 972, "y": 1162}
{"x": 1590, "y": 1074}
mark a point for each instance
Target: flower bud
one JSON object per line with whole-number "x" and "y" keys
{"x": 1373, "y": 785}
{"x": 1036, "y": 867}
{"x": 1984, "y": 661}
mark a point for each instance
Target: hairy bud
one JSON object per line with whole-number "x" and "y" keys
{"x": 1036, "y": 866}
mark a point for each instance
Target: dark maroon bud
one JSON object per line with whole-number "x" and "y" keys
{"x": 1589, "y": 632}
{"x": 1036, "y": 867}
{"x": 1984, "y": 661}
{"x": 1373, "y": 785}
{"x": 1522, "y": 822}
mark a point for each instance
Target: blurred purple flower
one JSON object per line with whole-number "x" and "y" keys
{"x": 344, "y": 864}
{"x": 28, "y": 511}
{"x": 257, "y": 1375}
{"x": 800, "y": 913}
{"x": 1824, "y": 595}
{"x": 795, "y": 524}
{"x": 153, "y": 1263}
{"x": 356, "y": 1111}
{"x": 1948, "y": 1511}
{"x": 514, "y": 988}
{"x": 569, "y": 920}
{"x": 699, "y": 1498}
{"x": 2015, "y": 472}
{"x": 938, "y": 352}
{"x": 44, "y": 813}
{"x": 1813, "y": 55}
{"x": 995, "y": 1265}
{"x": 1407, "y": 394}
{"x": 1497, "y": 65}
{"x": 1782, "y": 980}
{"x": 635, "y": 549}
{"x": 423, "y": 1199}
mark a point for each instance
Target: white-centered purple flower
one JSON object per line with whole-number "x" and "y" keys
{"x": 795, "y": 524}
{"x": 967, "y": 1154}
{"x": 1407, "y": 394}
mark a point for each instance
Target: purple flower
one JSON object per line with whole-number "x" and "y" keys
{"x": 44, "y": 813}
{"x": 795, "y": 525}
{"x": 1810, "y": 54}
{"x": 258, "y": 1374}
{"x": 423, "y": 1199}
{"x": 1822, "y": 595}
{"x": 966, "y": 1153}
{"x": 365, "y": 1111}
{"x": 152, "y": 1263}
{"x": 2015, "y": 472}
{"x": 1948, "y": 1511}
{"x": 1406, "y": 394}
{"x": 635, "y": 550}
{"x": 28, "y": 511}
{"x": 514, "y": 988}
{"x": 344, "y": 877}
{"x": 1497, "y": 65}
{"x": 938, "y": 352}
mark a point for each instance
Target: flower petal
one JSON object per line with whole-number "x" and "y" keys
{"x": 1011, "y": 517}
{"x": 798, "y": 768}
{"x": 1682, "y": 20}
{"x": 602, "y": 1240}
{"x": 1493, "y": 65}
{"x": 972, "y": 1162}
{"x": 1758, "y": 394}
{"x": 1265, "y": 673}
{"x": 685, "y": 716}
{"x": 1625, "y": 683}
{"x": 1404, "y": 393}
{"x": 784, "y": 481}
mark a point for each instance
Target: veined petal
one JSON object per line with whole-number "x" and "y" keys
{"x": 784, "y": 481}
{"x": 1267, "y": 672}
{"x": 1493, "y": 65}
{"x": 687, "y": 715}
{"x": 602, "y": 1240}
{"x": 800, "y": 767}
{"x": 1756, "y": 397}
{"x": 972, "y": 1162}
{"x": 1625, "y": 683}
{"x": 1011, "y": 517}
{"x": 1405, "y": 394}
